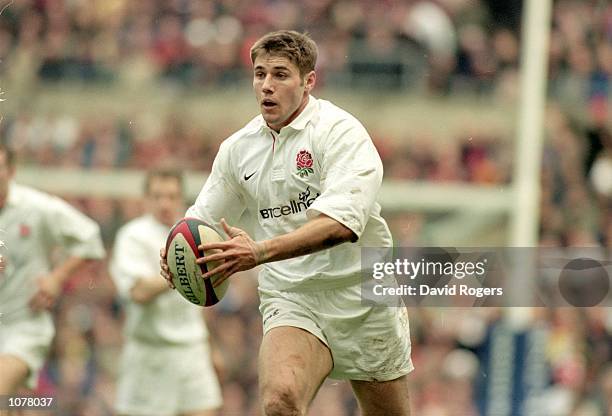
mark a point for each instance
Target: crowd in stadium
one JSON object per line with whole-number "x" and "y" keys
{"x": 444, "y": 45}
{"x": 437, "y": 47}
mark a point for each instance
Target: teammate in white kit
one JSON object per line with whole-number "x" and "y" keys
{"x": 32, "y": 226}
{"x": 166, "y": 367}
{"x": 307, "y": 174}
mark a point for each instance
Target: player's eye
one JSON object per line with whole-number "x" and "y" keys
{"x": 259, "y": 75}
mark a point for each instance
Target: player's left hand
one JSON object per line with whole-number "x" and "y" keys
{"x": 164, "y": 270}
{"x": 239, "y": 253}
{"x": 46, "y": 294}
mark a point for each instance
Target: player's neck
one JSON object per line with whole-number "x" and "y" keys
{"x": 5, "y": 190}
{"x": 293, "y": 115}
{"x": 3, "y": 199}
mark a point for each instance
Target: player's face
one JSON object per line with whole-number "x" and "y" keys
{"x": 280, "y": 90}
{"x": 165, "y": 200}
{"x": 6, "y": 173}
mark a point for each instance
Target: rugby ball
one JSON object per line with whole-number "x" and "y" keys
{"x": 181, "y": 254}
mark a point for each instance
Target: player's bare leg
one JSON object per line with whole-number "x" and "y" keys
{"x": 196, "y": 413}
{"x": 383, "y": 398}
{"x": 14, "y": 372}
{"x": 293, "y": 364}
{"x": 201, "y": 413}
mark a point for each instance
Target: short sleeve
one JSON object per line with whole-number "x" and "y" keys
{"x": 351, "y": 176}
{"x": 77, "y": 234}
{"x": 220, "y": 196}
{"x": 130, "y": 262}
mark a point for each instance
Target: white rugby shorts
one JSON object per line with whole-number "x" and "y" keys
{"x": 370, "y": 343}
{"x": 29, "y": 340}
{"x": 160, "y": 380}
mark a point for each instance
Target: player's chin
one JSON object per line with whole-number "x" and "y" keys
{"x": 271, "y": 110}
{"x": 269, "y": 118}
{"x": 168, "y": 220}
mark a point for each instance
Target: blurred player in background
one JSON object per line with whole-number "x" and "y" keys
{"x": 34, "y": 225}
{"x": 166, "y": 366}
{"x": 309, "y": 172}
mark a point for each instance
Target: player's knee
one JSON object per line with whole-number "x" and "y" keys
{"x": 14, "y": 373}
{"x": 281, "y": 401}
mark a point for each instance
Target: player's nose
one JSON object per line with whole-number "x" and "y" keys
{"x": 267, "y": 85}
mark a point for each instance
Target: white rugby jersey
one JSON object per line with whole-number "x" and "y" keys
{"x": 324, "y": 161}
{"x": 33, "y": 225}
{"x": 167, "y": 319}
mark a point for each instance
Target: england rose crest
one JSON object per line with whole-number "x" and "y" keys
{"x": 304, "y": 163}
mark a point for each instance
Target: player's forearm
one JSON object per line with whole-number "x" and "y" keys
{"x": 318, "y": 234}
{"x": 147, "y": 289}
{"x": 64, "y": 270}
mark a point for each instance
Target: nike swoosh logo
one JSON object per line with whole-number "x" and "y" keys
{"x": 246, "y": 178}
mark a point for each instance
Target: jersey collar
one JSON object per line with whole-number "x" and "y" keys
{"x": 14, "y": 196}
{"x": 307, "y": 114}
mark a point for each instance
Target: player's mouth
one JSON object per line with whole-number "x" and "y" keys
{"x": 268, "y": 104}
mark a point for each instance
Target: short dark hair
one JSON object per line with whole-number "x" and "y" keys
{"x": 299, "y": 48}
{"x": 10, "y": 154}
{"x": 164, "y": 172}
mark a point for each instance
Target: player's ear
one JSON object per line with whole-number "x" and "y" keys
{"x": 310, "y": 81}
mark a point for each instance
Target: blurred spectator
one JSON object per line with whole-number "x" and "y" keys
{"x": 442, "y": 45}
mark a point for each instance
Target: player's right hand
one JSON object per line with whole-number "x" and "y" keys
{"x": 47, "y": 292}
{"x": 165, "y": 271}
